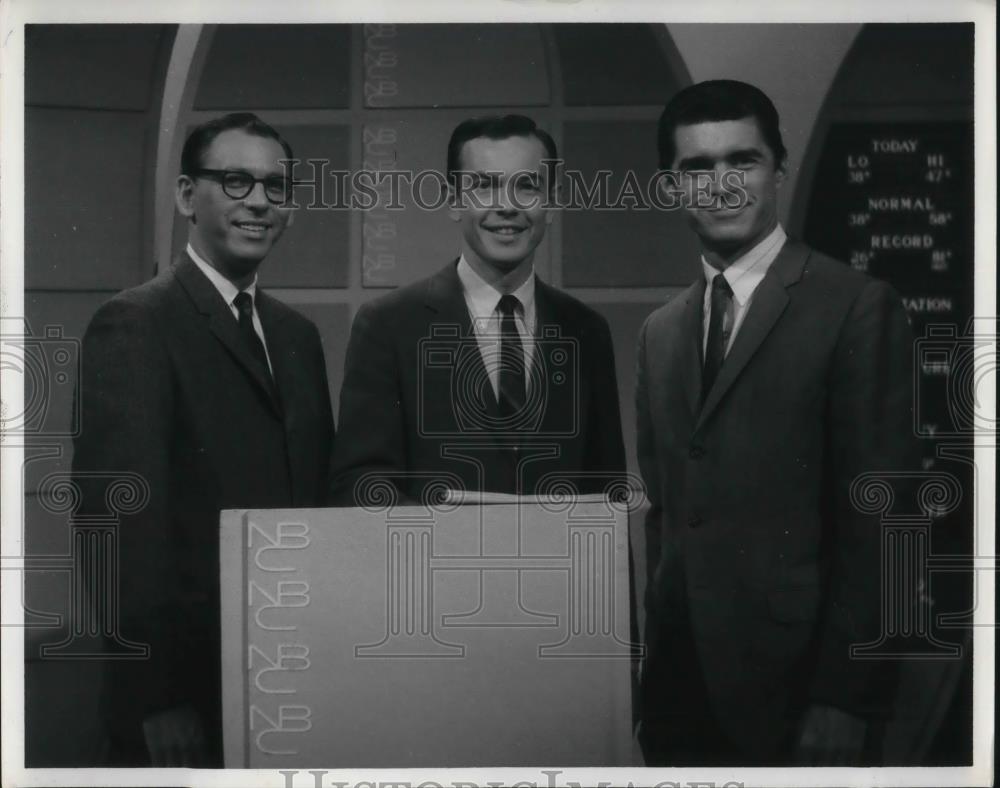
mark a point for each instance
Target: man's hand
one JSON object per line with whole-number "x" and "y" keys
{"x": 175, "y": 737}
{"x": 830, "y": 737}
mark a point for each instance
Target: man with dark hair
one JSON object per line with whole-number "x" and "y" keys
{"x": 762, "y": 392}
{"x": 481, "y": 377}
{"x": 200, "y": 139}
{"x": 496, "y": 127}
{"x": 719, "y": 99}
{"x": 216, "y": 394}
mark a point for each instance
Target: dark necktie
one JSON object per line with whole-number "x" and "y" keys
{"x": 512, "y": 377}
{"x": 244, "y": 305}
{"x": 720, "y": 326}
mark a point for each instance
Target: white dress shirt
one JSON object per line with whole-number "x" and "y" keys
{"x": 229, "y": 291}
{"x": 743, "y": 275}
{"x": 482, "y": 299}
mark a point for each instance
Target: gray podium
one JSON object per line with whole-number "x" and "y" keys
{"x": 474, "y": 635}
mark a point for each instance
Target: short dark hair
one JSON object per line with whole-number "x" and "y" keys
{"x": 714, "y": 100}
{"x": 201, "y": 138}
{"x": 494, "y": 127}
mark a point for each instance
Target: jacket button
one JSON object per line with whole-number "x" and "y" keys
{"x": 694, "y": 521}
{"x": 696, "y": 452}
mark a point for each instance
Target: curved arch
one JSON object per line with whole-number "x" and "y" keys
{"x": 868, "y": 87}
{"x": 183, "y": 75}
{"x": 675, "y": 63}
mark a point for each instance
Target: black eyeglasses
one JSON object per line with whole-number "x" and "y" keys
{"x": 237, "y": 184}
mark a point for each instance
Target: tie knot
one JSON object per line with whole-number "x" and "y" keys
{"x": 244, "y": 303}
{"x": 508, "y": 304}
{"x": 719, "y": 283}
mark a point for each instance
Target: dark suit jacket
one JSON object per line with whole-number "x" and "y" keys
{"x": 168, "y": 390}
{"x": 417, "y": 409}
{"x": 751, "y": 525}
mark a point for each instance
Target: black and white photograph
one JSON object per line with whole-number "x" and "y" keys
{"x": 528, "y": 394}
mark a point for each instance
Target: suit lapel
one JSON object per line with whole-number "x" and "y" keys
{"x": 769, "y": 301}
{"x": 224, "y": 326}
{"x": 445, "y": 299}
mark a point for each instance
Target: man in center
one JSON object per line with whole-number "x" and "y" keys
{"x": 481, "y": 377}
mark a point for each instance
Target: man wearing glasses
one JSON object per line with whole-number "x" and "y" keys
{"x": 216, "y": 395}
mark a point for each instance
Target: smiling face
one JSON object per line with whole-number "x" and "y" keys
{"x": 234, "y": 236}
{"x": 500, "y": 209}
{"x": 731, "y": 152}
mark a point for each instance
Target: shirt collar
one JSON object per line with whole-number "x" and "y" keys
{"x": 745, "y": 273}
{"x": 484, "y": 297}
{"x": 226, "y": 289}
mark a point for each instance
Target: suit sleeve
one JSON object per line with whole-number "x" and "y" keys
{"x": 649, "y": 468}
{"x": 371, "y": 440}
{"x": 126, "y": 404}
{"x": 870, "y": 429}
